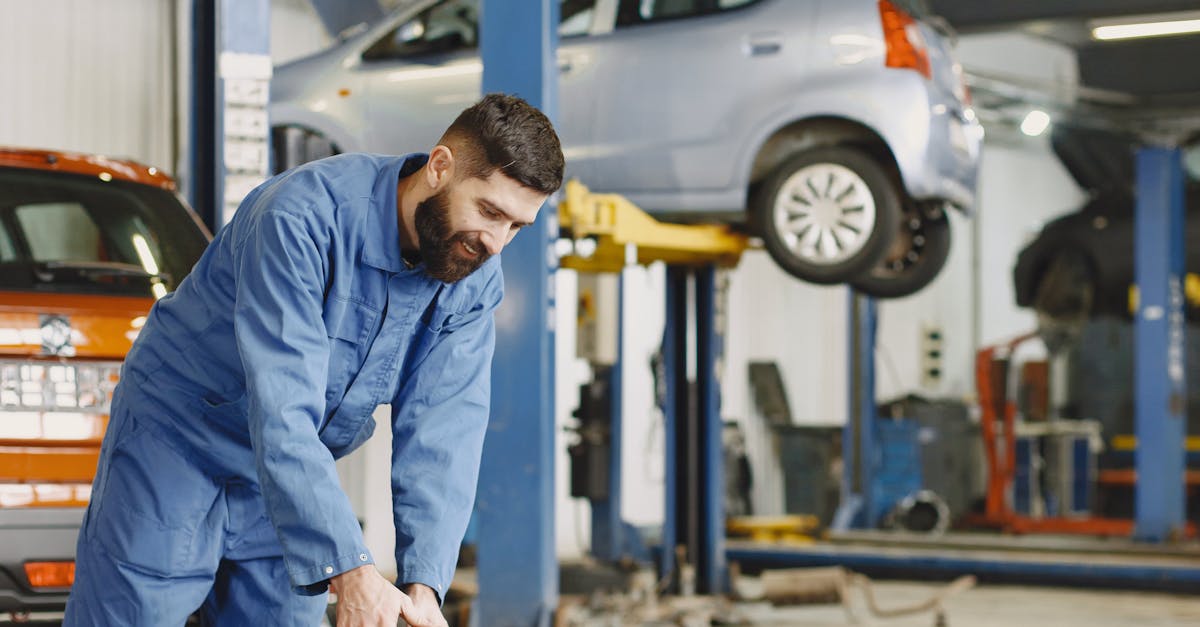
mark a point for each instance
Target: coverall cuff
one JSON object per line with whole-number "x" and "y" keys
{"x": 315, "y": 579}
{"x": 419, "y": 573}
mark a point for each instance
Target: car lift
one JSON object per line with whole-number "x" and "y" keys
{"x": 693, "y": 535}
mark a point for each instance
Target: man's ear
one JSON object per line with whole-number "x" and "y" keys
{"x": 441, "y": 167}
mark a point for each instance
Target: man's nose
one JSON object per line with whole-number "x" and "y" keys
{"x": 495, "y": 238}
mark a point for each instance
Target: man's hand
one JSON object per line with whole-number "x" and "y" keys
{"x": 425, "y": 612}
{"x": 366, "y": 599}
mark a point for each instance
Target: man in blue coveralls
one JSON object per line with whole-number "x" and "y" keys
{"x": 338, "y": 286}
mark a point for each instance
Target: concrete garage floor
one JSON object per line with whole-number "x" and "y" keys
{"x": 982, "y": 606}
{"x": 985, "y": 605}
{"x": 1009, "y": 606}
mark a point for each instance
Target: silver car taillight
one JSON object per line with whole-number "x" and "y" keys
{"x": 46, "y": 386}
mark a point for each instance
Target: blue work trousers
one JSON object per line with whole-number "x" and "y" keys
{"x": 162, "y": 539}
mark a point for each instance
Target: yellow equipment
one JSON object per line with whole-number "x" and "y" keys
{"x": 626, "y": 235}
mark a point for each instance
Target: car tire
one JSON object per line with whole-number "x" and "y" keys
{"x": 296, "y": 145}
{"x": 858, "y": 212}
{"x": 915, "y": 258}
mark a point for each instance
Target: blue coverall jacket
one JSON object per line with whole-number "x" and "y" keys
{"x": 268, "y": 361}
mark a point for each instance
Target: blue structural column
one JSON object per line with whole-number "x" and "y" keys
{"x": 709, "y": 349}
{"x": 1161, "y": 401}
{"x": 518, "y": 572}
{"x": 229, "y": 149}
{"x": 858, "y": 507}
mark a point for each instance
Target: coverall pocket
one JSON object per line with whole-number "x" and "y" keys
{"x": 220, "y": 407}
{"x": 349, "y": 325}
{"x": 153, "y": 508}
{"x": 349, "y": 320}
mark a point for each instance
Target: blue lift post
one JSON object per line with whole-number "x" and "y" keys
{"x": 1159, "y": 338}
{"x": 695, "y": 493}
{"x": 229, "y": 151}
{"x": 858, "y": 507}
{"x": 710, "y": 347}
{"x": 518, "y": 571}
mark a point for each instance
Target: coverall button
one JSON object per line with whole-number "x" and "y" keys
{"x": 362, "y": 556}
{"x": 328, "y": 570}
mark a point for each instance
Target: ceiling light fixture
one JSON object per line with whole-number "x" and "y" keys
{"x": 1110, "y": 32}
{"x": 1035, "y": 123}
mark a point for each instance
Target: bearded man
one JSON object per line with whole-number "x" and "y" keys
{"x": 338, "y": 286}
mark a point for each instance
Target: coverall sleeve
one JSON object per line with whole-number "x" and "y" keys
{"x": 438, "y": 422}
{"x": 284, "y": 349}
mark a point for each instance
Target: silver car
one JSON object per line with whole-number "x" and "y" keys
{"x": 837, "y": 130}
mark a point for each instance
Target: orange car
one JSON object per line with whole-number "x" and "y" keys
{"x": 87, "y": 244}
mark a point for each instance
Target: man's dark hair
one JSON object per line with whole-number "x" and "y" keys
{"x": 506, "y": 133}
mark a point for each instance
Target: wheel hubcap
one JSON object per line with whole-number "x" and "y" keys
{"x": 824, "y": 213}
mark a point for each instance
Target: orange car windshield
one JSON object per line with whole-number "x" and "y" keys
{"x": 81, "y": 234}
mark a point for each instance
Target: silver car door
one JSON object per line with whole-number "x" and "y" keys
{"x": 686, "y": 81}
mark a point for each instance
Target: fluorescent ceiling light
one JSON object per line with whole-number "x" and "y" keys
{"x": 1146, "y": 29}
{"x": 1035, "y": 123}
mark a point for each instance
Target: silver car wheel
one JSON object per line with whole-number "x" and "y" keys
{"x": 825, "y": 213}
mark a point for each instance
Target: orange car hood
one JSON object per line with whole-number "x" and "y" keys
{"x": 69, "y": 325}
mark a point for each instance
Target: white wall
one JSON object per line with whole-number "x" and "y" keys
{"x": 97, "y": 77}
{"x": 88, "y": 76}
{"x": 1025, "y": 186}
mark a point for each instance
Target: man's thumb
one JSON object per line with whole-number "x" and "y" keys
{"x": 408, "y": 609}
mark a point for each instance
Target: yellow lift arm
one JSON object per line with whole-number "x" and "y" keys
{"x": 618, "y": 227}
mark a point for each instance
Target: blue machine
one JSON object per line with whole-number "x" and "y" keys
{"x": 897, "y": 465}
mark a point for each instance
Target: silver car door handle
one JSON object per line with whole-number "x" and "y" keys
{"x": 762, "y": 45}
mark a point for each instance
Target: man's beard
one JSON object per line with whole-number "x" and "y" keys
{"x": 440, "y": 247}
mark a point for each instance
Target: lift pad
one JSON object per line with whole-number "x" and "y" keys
{"x": 617, "y": 227}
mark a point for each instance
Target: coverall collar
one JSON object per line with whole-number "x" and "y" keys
{"x": 382, "y": 246}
